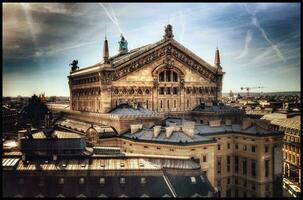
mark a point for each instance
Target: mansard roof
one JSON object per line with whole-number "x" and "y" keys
{"x": 125, "y": 109}
{"x": 177, "y": 137}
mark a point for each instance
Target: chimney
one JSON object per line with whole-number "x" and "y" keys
{"x": 135, "y": 127}
{"x": 105, "y": 52}
{"x": 189, "y": 128}
{"x": 157, "y": 131}
{"x": 246, "y": 123}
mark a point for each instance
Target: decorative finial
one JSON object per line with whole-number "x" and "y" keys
{"x": 168, "y": 32}
{"x": 105, "y": 51}
{"x": 217, "y": 59}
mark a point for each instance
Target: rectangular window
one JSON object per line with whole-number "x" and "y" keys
{"x": 219, "y": 166}
{"x": 228, "y": 181}
{"x": 161, "y": 90}
{"x": 236, "y": 146}
{"x": 236, "y": 192}
{"x": 204, "y": 158}
{"x": 266, "y": 168}
{"x": 253, "y": 168}
{"x": 236, "y": 181}
{"x": 236, "y": 164}
{"x": 228, "y": 193}
{"x": 175, "y": 90}
{"x": 219, "y": 147}
{"x": 253, "y": 187}
{"x": 253, "y": 148}
{"x": 266, "y": 149}
{"x": 228, "y": 163}
{"x": 228, "y": 146}
{"x": 168, "y": 90}
{"x": 244, "y": 167}
{"x": 244, "y": 194}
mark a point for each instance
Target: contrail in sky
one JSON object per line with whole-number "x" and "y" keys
{"x": 255, "y": 22}
{"x": 111, "y": 15}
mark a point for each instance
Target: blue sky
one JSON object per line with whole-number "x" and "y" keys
{"x": 259, "y": 43}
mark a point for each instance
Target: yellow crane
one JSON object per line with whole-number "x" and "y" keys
{"x": 249, "y": 88}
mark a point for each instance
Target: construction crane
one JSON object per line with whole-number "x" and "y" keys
{"x": 249, "y": 88}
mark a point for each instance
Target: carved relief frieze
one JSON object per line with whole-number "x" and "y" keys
{"x": 105, "y": 77}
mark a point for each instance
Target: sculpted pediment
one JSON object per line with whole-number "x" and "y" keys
{"x": 167, "y": 51}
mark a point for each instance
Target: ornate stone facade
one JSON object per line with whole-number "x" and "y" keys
{"x": 164, "y": 77}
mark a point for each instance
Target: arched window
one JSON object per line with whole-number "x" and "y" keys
{"x": 168, "y": 76}
{"x": 175, "y": 77}
{"x": 161, "y": 76}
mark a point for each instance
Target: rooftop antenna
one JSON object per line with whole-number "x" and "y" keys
{"x": 167, "y": 19}
{"x": 105, "y": 30}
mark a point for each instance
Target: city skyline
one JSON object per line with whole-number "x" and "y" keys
{"x": 40, "y": 40}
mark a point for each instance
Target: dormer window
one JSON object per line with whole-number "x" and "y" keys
{"x": 81, "y": 181}
{"x": 61, "y": 180}
{"x": 122, "y": 180}
{"x": 143, "y": 180}
{"x": 102, "y": 180}
{"x": 193, "y": 180}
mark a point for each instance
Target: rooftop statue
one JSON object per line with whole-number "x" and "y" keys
{"x": 123, "y": 44}
{"x": 168, "y": 32}
{"x": 74, "y": 65}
